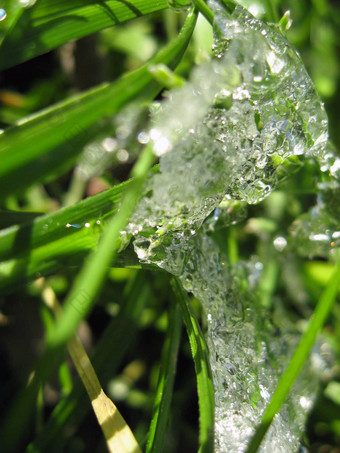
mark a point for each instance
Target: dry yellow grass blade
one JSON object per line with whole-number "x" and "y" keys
{"x": 118, "y": 435}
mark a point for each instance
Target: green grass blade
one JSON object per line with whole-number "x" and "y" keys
{"x": 117, "y": 433}
{"x": 321, "y": 313}
{"x": 200, "y": 355}
{"x": 10, "y": 218}
{"x": 77, "y": 305}
{"x": 50, "y": 24}
{"x": 13, "y": 12}
{"x": 52, "y": 240}
{"x": 40, "y": 244}
{"x": 165, "y": 383}
{"x": 107, "y": 357}
{"x": 33, "y": 137}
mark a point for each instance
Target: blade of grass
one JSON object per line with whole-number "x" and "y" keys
{"x": 50, "y": 24}
{"x": 13, "y": 11}
{"x": 107, "y": 357}
{"x": 165, "y": 384}
{"x": 49, "y": 241}
{"x": 321, "y": 313}
{"x": 9, "y": 218}
{"x": 200, "y": 355}
{"x": 34, "y": 136}
{"x": 204, "y": 9}
{"x": 77, "y": 305}
{"x": 117, "y": 433}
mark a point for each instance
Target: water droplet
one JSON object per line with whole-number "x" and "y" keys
{"x": 280, "y": 243}
{"x": 319, "y": 237}
{"x": 162, "y": 144}
{"x": 306, "y": 403}
{"x": 3, "y": 14}
{"x": 109, "y": 144}
{"x": 73, "y": 225}
{"x": 87, "y": 225}
{"x": 123, "y": 155}
{"x": 143, "y": 138}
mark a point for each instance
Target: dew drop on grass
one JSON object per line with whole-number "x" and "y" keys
{"x": 280, "y": 243}
{"x": 3, "y": 14}
{"x": 224, "y": 139}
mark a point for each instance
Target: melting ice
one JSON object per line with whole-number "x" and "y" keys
{"x": 222, "y": 137}
{"x": 317, "y": 232}
{"x": 230, "y": 130}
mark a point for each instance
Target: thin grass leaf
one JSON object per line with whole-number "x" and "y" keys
{"x": 38, "y": 247}
{"x": 78, "y": 304}
{"x": 165, "y": 384}
{"x": 34, "y": 136}
{"x": 10, "y": 218}
{"x": 205, "y": 10}
{"x": 11, "y": 12}
{"x": 50, "y": 24}
{"x": 48, "y": 242}
{"x": 107, "y": 357}
{"x": 117, "y": 433}
{"x": 200, "y": 355}
{"x": 320, "y": 315}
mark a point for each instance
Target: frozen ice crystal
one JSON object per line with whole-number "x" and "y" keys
{"x": 230, "y": 130}
{"x": 317, "y": 232}
{"x": 247, "y": 353}
{"x": 223, "y": 140}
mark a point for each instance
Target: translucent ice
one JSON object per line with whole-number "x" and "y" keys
{"x": 248, "y": 352}
{"x": 317, "y": 232}
{"x": 223, "y": 140}
{"x": 229, "y": 131}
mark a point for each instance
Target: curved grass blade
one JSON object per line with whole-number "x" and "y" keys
{"x": 77, "y": 306}
{"x": 321, "y": 313}
{"x": 34, "y": 136}
{"x": 165, "y": 384}
{"x": 50, "y": 24}
{"x": 108, "y": 355}
{"x": 200, "y": 355}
